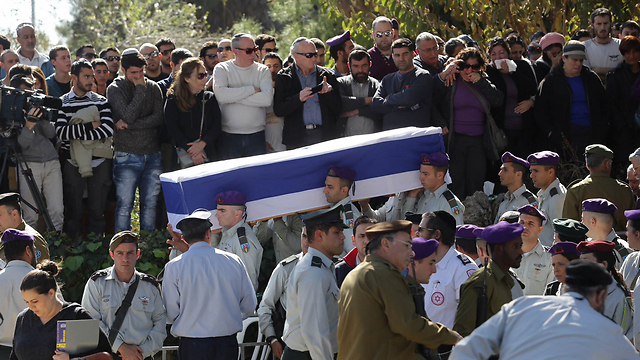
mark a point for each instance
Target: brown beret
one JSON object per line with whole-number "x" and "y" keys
{"x": 119, "y": 237}
{"x": 388, "y": 227}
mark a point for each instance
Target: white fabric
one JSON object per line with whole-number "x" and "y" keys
{"x": 535, "y": 270}
{"x": 603, "y": 56}
{"x": 11, "y": 300}
{"x": 38, "y": 59}
{"x": 434, "y": 201}
{"x": 551, "y": 207}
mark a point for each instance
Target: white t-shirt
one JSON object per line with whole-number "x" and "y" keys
{"x": 603, "y": 56}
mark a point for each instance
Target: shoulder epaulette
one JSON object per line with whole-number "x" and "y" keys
{"x": 465, "y": 260}
{"x": 530, "y": 198}
{"x": 316, "y": 261}
{"x": 242, "y": 238}
{"x": 98, "y": 274}
{"x": 289, "y": 260}
{"x": 452, "y": 201}
{"x": 553, "y": 192}
{"x": 150, "y": 279}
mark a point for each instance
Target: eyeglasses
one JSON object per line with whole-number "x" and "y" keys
{"x": 202, "y": 75}
{"x": 224, "y": 48}
{"x": 267, "y": 50}
{"x": 167, "y": 52}
{"x": 387, "y": 33}
{"x": 89, "y": 56}
{"x": 211, "y": 56}
{"x": 248, "y": 51}
{"x": 309, "y": 55}
{"x": 473, "y": 67}
{"x": 112, "y": 58}
{"x": 151, "y": 55}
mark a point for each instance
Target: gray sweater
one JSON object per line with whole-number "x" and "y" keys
{"x": 141, "y": 107}
{"x": 36, "y": 144}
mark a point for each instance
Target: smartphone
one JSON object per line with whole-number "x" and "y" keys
{"x": 316, "y": 89}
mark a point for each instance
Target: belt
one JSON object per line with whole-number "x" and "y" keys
{"x": 312, "y": 126}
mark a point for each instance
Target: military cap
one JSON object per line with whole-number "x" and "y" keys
{"x": 130, "y": 51}
{"x": 388, "y": 227}
{"x": 435, "y": 159}
{"x": 587, "y": 273}
{"x": 10, "y": 198}
{"x": 502, "y": 232}
{"x": 531, "y": 210}
{"x": 231, "y": 197}
{"x": 510, "y": 216}
{"x": 413, "y": 217}
{"x": 331, "y": 216}
{"x": 544, "y": 158}
{"x": 509, "y": 157}
{"x": 632, "y": 214}
{"x": 198, "y": 214}
{"x": 423, "y": 248}
{"x": 564, "y": 247}
{"x": 603, "y": 206}
{"x": 478, "y": 232}
{"x": 599, "y": 149}
{"x": 119, "y": 237}
{"x": 341, "y": 172}
{"x": 596, "y": 246}
{"x": 570, "y": 227}
{"x": 339, "y": 39}
{"x": 466, "y": 231}
{"x": 14, "y": 234}
{"x": 395, "y": 24}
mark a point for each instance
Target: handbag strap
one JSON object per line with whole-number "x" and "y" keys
{"x": 122, "y": 310}
{"x": 202, "y": 117}
{"x": 482, "y": 101}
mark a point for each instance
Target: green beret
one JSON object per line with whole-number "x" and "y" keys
{"x": 570, "y": 227}
{"x": 599, "y": 149}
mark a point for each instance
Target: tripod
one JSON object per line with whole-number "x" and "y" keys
{"x": 10, "y": 147}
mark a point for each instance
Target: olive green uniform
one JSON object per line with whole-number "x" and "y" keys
{"x": 42, "y": 248}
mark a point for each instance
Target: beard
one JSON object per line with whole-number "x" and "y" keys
{"x": 361, "y": 77}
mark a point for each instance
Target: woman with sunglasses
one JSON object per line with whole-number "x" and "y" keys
{"x": 519, "y": 87}
{"x": 194, "y": 125}
{"x": 463, "y": 107}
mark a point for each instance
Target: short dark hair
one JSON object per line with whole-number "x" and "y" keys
{"x": 272, "y": 56}
{"x": 264, "y": 39}
{"x": 343, "y": 182}
{"x": 42, "y": 279}
{"x": 208, "y": 46}
{"x": 97, "y": 62}
{"x": 318, "y": 43}
{"x": 14, "y": 250}
{"x": 5, "y": 42}
{"x": 164, "y": 41}
{"x": 468, "y": 245}
{"x": 358, "y": 55}
{"x": 363, "y": 219}
{"x": 194, "y": 230}
{"x": 81, "y": 49}
{"x": 635, "y": 224}
{"x": 311, "y": 230}
{"x": 103, "y": 52}
{"x": 333, "y": 50}
{"x": 20, "y": 69}
{"x": 570, "y": 256}
{"x": 629, "y": 43}
{"x": 451, "y": 45}
{"x": 180, "y": 54}
{"x": 498, "y": 41}
{"x": 473, "y": 53}
{"x": 443, "y": 221}
{"x": 53, "y": 53}
{"x": 594, "y": 160}
{"x": 580, "y": 34}
{"x": 77, "y": 66}
{"x": 403, "y": 43}
{"x": 519, "y": 168}
{"x": 630, "y": 24}
{"x": 601, "y": 12}
{"x": 21, "y": 79}
{"x": 515, "y": 39}
{"x": 130, "y": 60}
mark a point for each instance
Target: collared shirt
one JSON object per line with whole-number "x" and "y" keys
{"x": 144, "y": 324}
{"x": 349, "y": 219}
{"x": 442, "y": 293}
{"x": 205, "y": 280}
{"x": 622, "y": 249}
{"x": 567, "y": 326}
{"x": 312, "y": 113}
{"x": 631, "y": 270}
{"x": 513, "y": 201}
{"x": 390, "y": 211}
{"x": 274, "y": 292}
{"x": 619, "y": 308}
{"x": 434, "y": 201}
{"x": 312, "y": 307}
{"x": 39, "y": 60}
{"x": 535, "y": 270}
{"x": 550, "y": 202}
{"x": 11, "y": 300}
{"x": 250, "y": 253}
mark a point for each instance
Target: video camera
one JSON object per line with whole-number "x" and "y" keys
{"x": 16, "y": 103}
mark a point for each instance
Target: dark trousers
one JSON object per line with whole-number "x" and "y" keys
{"x": 214, "y": 348}
{"x": 231, "y": 146}
{"x": 468, "y": 165}
{"x": 98, "y": 189}
{"x": 290, "y": 354}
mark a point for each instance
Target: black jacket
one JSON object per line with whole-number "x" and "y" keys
{"x": 624, "y": 131}
{"x": 553, "y": 107}
{"x": 287, "y": 104}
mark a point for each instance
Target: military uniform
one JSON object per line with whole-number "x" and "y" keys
{"x": 284, "y": 233}
{"x": 441, "y": 199}
{"x": 631, "y": 269}
{"x": 11, "y": 300}
{"x": 247, "y": 247}
{"x": 550, "y": 202}
{"x": 42, "y": 248}
{"x": 622, "y": 250}
{"x": 145, "y": 322}
{"x": 349, "y": 216}
{"x": 619, "y": 308}
{"x": 514, "y": 201}
{"x": 390, "y": 210}
{"x": 535, "y": 270}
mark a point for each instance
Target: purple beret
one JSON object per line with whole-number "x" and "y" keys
{"x": 13, "y": 234}
{"x": 423, "y": 248}
{"x": 501, "y": 232}
{"x": 564, "y": 247}
{"x": 466, "y": 231}
{"x": 632, "y": 214}
{"x": 231, "y": 197}
{"x": 509, "y": 157}
{"x": 342, "y": 173}
{"x": 435, "y": 159}
{"x": 395, "y": 24}
{"x": 531, "y": 210}
{"x": 544, "y": 158}
{"x": 478, "y": 232}
{"x": 599, "y": 205}
{"x": 596, "y": 246}
{"x": 339, "y": 39}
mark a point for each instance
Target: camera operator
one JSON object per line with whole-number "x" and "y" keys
{"x": 42, "y": 159}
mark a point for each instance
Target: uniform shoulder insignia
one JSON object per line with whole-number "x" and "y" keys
{"x": 289, "y": 260}
{"x": 553, "y": 192}
{"x": 149, "y": 279}
{"x": 530, "y": 198}
{"x": 451, "y": 199}
{"x": 316, "y": 261}
{"x": 546, "y": 248}
{"x": 242, "y": 238}
{"x": 98, "y": 274}
{"x": 465, "y": 260}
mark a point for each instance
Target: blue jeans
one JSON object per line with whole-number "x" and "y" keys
{"x": 232, "y": 146}
{"x": 131, "y": 171}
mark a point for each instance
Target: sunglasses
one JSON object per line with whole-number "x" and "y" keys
{"x": 212, "y": 56}
{"x": 89, "y": 56}
{"x": 387, "y": 33}
{"x": 151, "y": 55}
{"x": 167, "y": 52}
{"x": 112, "y": 58}
{"x": 225, "y": 48}
{"x": 309, "y": 55}
{"x": 267, "y": 50}
{"x": 473, "y": 67}
{"x": 248, "y": 51}
{"x": 202, "y": 75}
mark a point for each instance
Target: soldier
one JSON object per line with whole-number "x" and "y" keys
{"x": 505, "y": 247}
{"x": 237, "y": 236}
{"x": 512, "y": 173}
{"x": 599, "y": 184}
{"x": 127, "y": 302}
{"x": 630, "y": 269}
{"x": 535, "y": 269}
{"x": 597, "y": 216}
{"x": 466, "y": 242}
{"x": 272, "y": 310}
{"x": 311, "y": 329}
{"x": 21, "y": 258}
{"x": 375, "y": 300}
{"x": 434, "y": 194}
{"x": 423, "y": 264}
{"x": 338, "y": 183}
{"x": 356, "y": 256}
{"x": 284, "y": 232}
{"x": 561, "y": 254}
{"x": 544, "y": 174}
{"x": 11, "y": 218}
{"x": 569, "y": 230}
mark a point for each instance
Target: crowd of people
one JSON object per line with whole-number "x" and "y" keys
{"x": 409, "y": 277}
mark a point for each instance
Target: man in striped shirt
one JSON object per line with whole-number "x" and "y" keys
{"x": 96, "y": 127}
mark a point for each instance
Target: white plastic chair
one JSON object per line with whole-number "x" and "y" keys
{"x": 258, "y": 349}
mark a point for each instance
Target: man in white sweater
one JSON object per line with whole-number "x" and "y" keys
{"x": 244, "y": 90}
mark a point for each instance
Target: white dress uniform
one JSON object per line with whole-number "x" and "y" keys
{"x": 390, "y": 211}
{"x": 349, "y": 216}
{"x": 442, "y": 293}
{"x": 274, "y": 292}
{"x": 145, "y": 322}
{"x": 249, "y": 250}
{"x": 619, "y": 308}
{"x": 207, "y": 293}
{"x": 546, "y": 328}
{"x": 519, "y": 198}
{"x": 631, "y": 269}
{"x": 441, "y": 199}
{"x": 551, "y": 202}
{"x": 312, "y": 307}
{"x": 535, "y": 270}
{"x": 11, "y": 301}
